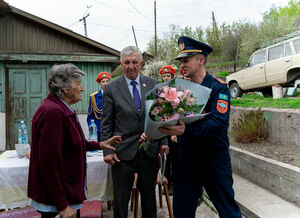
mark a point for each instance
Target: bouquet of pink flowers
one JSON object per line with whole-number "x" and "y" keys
{"x": 172, "y": 103}
{"x": 176, "y": 99}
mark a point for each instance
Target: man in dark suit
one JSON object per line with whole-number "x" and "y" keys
{"x": 124, "y": 114}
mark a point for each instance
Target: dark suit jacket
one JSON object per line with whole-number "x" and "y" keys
{"x": 57, "y": 167}
{"x": 120, "y": 117}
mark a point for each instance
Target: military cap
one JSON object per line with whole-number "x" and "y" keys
{"x": 102, "y": 75}
{"x": 167, "y": 69}
{"x": 190, "y": 47}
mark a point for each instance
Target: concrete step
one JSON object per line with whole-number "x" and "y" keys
{"x": 257, "y": 202}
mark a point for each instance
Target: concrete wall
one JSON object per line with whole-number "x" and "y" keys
{"x": 2, "y": 132}
{"x": 279, "y": 178}
{"x": 284, "y": 124}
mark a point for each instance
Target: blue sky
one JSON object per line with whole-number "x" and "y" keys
{"x": 110, "y": 21}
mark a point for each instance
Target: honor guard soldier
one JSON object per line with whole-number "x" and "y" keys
{"x": 95, "y": 102}
{"x": 202, "y": 158}
{"x": 167, "y": 72}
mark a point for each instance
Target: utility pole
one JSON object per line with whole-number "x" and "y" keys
{"x": 215, "y": 28}
{"x": 134, "y": 37}
{"x": 84, "y": 23}
{"x": 155, "y": 34}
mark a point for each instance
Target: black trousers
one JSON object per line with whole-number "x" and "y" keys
{"x": 211, "y": 171}
{"x": 54, "y": 214}
{"x": 123, "y": 177}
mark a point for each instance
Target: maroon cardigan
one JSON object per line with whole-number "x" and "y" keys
{"x": 57, "y": 167}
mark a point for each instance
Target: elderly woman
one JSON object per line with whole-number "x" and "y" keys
{"x": 57, "y": 169}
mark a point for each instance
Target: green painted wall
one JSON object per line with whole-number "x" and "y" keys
{"x": 2, "y": 82}
{"x": 89, "y": 82}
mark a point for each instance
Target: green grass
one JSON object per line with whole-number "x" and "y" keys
{"x": 256, "y": 100}
{"x": 297, "y": 163}
{"x": 219, "y": 64}
{"x": 223, "y": 74}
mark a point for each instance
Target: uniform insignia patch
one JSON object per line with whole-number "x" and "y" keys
{"x": 224, "y": 97}
{"x": 222, "y": 106}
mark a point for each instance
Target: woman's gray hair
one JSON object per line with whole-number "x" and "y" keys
{"x": 61, "y": 77}
{"x": 129, "y": 50}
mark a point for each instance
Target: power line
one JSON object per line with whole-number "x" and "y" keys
{"x": 124, "y": 28}
{"x": 87, "y": 8}
{"x": 110, "y": 6}
{"x": 73, "y": 24}
{"x": 84, "y": 15}
{"x": 137, "y": 10}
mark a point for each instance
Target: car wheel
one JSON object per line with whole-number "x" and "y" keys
{"x": 235, "y": 90}
{"x": 267, "y": 92}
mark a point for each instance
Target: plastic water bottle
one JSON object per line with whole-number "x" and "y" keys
{"x": 23, "y": 137}
{"x": 93, "y": 136}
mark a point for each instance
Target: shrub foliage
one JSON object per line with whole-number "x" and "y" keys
{"x": 250, "y": 127}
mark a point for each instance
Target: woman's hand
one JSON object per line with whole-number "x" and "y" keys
{"x": 113, "y": 140}
{"x": 68, "y": 212}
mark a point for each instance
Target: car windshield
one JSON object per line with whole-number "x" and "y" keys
{"x": 258, "y": 58}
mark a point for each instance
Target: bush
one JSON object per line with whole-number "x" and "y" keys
{"x": 250, "y": 127}
{"x": 223, "y": 74}
{"x": 153, "y": 67}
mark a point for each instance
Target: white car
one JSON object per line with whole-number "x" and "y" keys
{"x": 276, "y": 64}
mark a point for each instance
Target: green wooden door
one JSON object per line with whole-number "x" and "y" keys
{"x": 27, "y": 89}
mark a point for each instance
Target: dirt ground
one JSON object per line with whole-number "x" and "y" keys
{"x": 289, "y": 154}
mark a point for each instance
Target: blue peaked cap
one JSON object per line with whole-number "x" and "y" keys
{"x": 190, "y": 47}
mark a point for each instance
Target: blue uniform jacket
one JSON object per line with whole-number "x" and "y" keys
{"x": 95, "y": 109}
{"x": 210, "y": 133}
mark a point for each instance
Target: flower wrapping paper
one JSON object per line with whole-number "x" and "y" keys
{"x": 200, "y": 93}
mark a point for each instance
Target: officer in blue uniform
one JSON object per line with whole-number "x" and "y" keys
{"x": 203, "y": 158}
{"x": 95, "y": 102}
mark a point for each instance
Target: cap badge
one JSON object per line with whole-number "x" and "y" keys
{"x": 104, "y": 75}
{"x": 181, "y": 46}
{"x": 166, "y": 70}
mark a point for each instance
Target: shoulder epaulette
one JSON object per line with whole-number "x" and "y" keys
{"x": 93, "y": 94}
{"x": 220, "y": 81}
